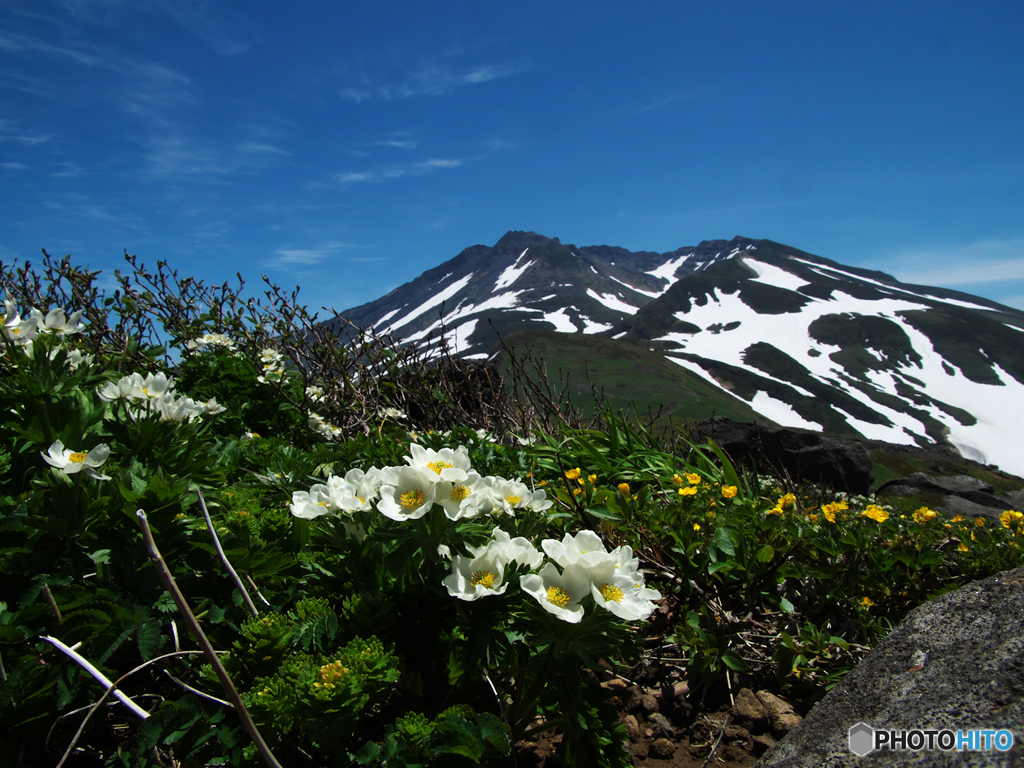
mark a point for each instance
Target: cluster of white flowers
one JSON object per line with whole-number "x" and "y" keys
{"x": 22, "y": 330}
{"x": 273, "y": 366}
{"x": 211, "y": 341}
{"x": 321, "y": 426}
{"x": 154, "y": 393}
{"x": 445, "y": 478}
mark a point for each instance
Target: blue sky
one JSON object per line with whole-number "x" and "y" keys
{"x": 348, "y": 147}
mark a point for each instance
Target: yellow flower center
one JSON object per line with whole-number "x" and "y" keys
{"x": 460, "y": 492}
{"x": 513, "y": 500}
{"x": 439, "y": 465}
{"x": 77, "y": 458}
{"x": 483, "y": 578}
{"x": 413, "y": 498}
{"x": 558, "y": 596}
{"x": 610, "y": 592}
{"x": 330, "y": 674}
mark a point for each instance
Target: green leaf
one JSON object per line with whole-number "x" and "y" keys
{"x": 734, "y": 662}
{"x": 149, "y": 638}
{"x": 723, "y": 541}
{"x": 765, "y": 554}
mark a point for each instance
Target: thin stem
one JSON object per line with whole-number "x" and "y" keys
{"x": 211, "y": 655}
{"x": 224, "y": 558}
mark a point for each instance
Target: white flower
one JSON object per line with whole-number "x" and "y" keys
{"x": 75, "y": 358}
{"x": 407, "y": 494}
{"x": 479, "y": 576}
{"x": 512, "y": 495}
{"x": 392, "y": 413}
{"x": 357, "y": 490}
{"x": 445, "y": 464}
{"x": 585, "y": 548}
{"x": 315, "y": 393}
{"x": 71, "y": 462}
{"x": 272, "y": 362}
{"x": 540, "y": 501}
{"x": 56, "y": 322}
{"x": 463, "y": 499}
{"x": 513, "y": 550}
{"x": 312, "y": 503}
{"x": 621, "y": 593}
{"x": 18, "y": 330}
{"x": 558, "y": 593}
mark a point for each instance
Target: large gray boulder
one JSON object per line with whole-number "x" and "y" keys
{"x": 800, "y": 454}
{"x": 955, "y": 663}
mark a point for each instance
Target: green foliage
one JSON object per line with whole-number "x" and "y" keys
{"x": 370, "y": 644}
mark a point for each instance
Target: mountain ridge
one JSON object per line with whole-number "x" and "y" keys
{"x": 801, "y": 339}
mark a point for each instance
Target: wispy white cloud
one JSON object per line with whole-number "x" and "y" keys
{"x": 404, "y": 144}
{"x": 256, "y": 147}
{"x": 429, "y": 78}
{"x": 10, "y": 131}
{"x": 396, "y": 171}
{"x": 985, "y": 261}
{"x": 287, "y": 256}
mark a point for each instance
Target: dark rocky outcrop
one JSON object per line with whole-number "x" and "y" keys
{"x": 956, "y": 663}
{"x": 842, "y": 464}
{"x": 963, "y": 494}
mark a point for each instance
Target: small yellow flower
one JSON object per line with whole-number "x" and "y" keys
{"x": 573, "y": 474}
{"x": 624, "y": 489}
{"x": 866, "y": 601}
{"x": 829, "y": 510}
{"x": 962, "y": 547}
{"x": 876, "y": 513}
{"x": 1009, "y": 517}
{"x": 979, "y": 522}
{"x": 923, "y": 515}
{"x": 693, "y": 478}
{"x": 677, "y": 480}
{"x": 688, "y": 491}
{"x": 786, "y": 500}
{"x": 776, "y": 510}
{"x": 592, "y": 479}
{"x": 696, "y": 526}
{"x": 729, "y": 491}
{"x": 812, "y": 518}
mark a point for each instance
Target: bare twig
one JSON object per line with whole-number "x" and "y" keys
{"x": 715, "y": 748}
{"x": 224, "y": 558}
{"x": 204, "y": 642}
{"x": 100, "y": 677}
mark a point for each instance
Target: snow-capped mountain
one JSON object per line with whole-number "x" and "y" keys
{"x": 802, "y": 340}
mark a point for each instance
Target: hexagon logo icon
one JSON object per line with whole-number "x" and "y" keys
{"x": 862, "y": 739}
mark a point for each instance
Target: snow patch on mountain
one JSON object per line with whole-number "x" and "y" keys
{"x": 772, "y": 275}
{"x": 512, "y": 272}
{"x": 612, "y": 301}
{"x": 649, "y": 294}
{"x": 434, "y": 301}
{"x": 780, "y": 412}
{"x": 667, "y": 271}
{"x": 561, "y": 320}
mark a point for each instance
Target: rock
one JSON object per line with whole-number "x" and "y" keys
{"x": 737, "y": 734}
{"x": 639, "y": 750}
{"x": 956, "y": 663}
{"x": 782, "y": 716}
{"x": 677, "y": 692}
{"x": 954, "y": 505}
{"x": 632, "y": 727}
{"x": 761, "y": 743}
{"x": 662, "y": 749}
{"x": 662, "y": 727}
{"x": 632, "y": 698}
{"x": 750, "y": 712}
{"x": 648, "y": 704}
{"x": 1014, "y": 500}
{"x": 842, "y": 464}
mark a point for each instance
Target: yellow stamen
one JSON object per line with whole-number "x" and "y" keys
{"x": 610, "y": 592}
{"x": 413, "y": 498}
{"x": 77, "y": 458}
{"x": 484, "y": 578}
{"x": 460, "y": 492}
{"x": 513, "y": 500}
{"x": 558, "y": 596}
{"x": 439, "y": 465}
